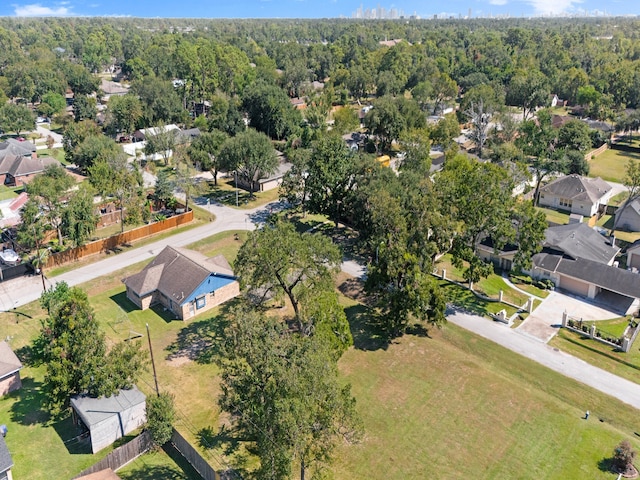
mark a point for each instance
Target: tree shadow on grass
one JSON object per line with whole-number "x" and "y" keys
{"x": 27, "y": 410}
{"x": 200, "y": 341}
{"x": 606, "y": 465}
{"x": 229, "y": 441}
{"x": 367, "y": 328}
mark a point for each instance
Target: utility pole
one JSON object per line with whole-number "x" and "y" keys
{"x": 236, "y": 174}
{"x": 153, "y": 363}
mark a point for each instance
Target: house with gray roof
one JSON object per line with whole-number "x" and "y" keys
{"x": 109, "y": 418}
{"x": 581, "y": 261}
{"x": 576, "y": 194}
{"x": 10, "y": 366}
{"x": 183, "y": 281}
{"x": 627, "y": 217}
{"x": 6, "y": 462}
{"x": 17, "y": 170}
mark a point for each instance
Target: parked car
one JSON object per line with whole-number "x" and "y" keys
{"x": 9, "y": 256}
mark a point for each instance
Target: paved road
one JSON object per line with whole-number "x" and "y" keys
{"x": 17, "y": 294}
{"x": 13, "y": 294}
{"x": 624, "y": 390}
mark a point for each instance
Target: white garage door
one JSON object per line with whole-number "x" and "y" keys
{"x": 574, "y": 286}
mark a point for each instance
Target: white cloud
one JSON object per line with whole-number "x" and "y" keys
{"x": 498, "y": 2}
{"x": 37, "y": 10}
{"x": 553, "y": 7}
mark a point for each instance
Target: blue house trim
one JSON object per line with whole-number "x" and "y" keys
{"x": 214, "y": 282}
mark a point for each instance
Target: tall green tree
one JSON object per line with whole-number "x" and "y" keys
{"x": 331, "y": 177}
{"x": 50, "y": 189}
{"x": 73, "y": 350}
{"x": 124, "y": 113}
{"x": 251, "y": 155}
{"x": 270, "y": 111}
{"x": 16, "y": 118}
{"x": 277, "y": 260}
{"x": 284, "y": 394}
{"x": 79, "y": 219}
{"x": 528, "y": 90}
{"x": 204, "y": 151}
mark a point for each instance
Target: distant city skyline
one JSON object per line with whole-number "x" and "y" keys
{"x": 309, "y": 9}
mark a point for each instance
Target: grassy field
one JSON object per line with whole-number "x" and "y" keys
{"x": 7, "y": 193}
{"x": 183, "y": 353}
{"x": 611, "y": 165}
{"x": 606, "y": 221}
{"x": 445, "y": 404}
{"x": 626, "y": 365}
{"x": 165, "y": 464}
{"x": 453, "y": 405}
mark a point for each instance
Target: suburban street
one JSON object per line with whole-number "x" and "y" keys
{"x": 18, "y": 292}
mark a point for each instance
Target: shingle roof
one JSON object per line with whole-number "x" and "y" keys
{"x": 18, "y": 165}
{"x": 106, "y": 474}
{"x": 6, "y": 462}
{"x": 9, "y": 362}
{"x": 578, "y": 188}
{"x": 11, "y": 146}
{"x": 610, "y": 278}
{"x": 95, "y": 410}
{"x": 578, "y": 240}
{"x": 176, "y": 273}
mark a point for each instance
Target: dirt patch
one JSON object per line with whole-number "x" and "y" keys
{"x": 178, "y": 361}
{"x": 353, "y": 288}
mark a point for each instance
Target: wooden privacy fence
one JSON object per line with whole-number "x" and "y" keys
{"x": 192, "y": 456}
{"x": 121, "y": 455}
{"x": 594, "y": 153}
{"x": 114, "y": 241}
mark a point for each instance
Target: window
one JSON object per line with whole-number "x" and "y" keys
{"x": 565, "y": 202}
{"x": 201, "y": 302}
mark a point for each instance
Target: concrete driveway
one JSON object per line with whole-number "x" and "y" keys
{"x": 545, "y": 320}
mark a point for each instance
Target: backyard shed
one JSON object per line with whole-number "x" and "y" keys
{"x": 110, "y": 418}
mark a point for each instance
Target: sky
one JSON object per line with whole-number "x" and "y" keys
{"x": 313, "y": 8}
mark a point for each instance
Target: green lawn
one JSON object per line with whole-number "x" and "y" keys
{"x": 611, "y": 165}
{"x": 183, "y": 352}
{"x": 464, "y": 298}
{"x": 554, "y": 216}
{"x": 159, "y": 464}
{"x": 626, "y": 365}
{"x": 489, "y": 287}
{"x": 7, "y": 193}
{"x": 530, "y": 289}
{"x": 453, "y": 405}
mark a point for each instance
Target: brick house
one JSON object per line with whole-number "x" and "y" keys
{"x": 17, "y": 170}
{"x": 10, "y": 367}
{"x": 183, "y": 281}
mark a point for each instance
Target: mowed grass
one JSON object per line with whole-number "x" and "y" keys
{"x": 625, "y": 365}
{"x": 453, "y": 405}
{"x": 611, "y": 165}
{"x": 554, "y": 216}
{"x": 183, "y": 352}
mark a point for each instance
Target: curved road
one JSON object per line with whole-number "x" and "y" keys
{"x": 16, "y": 293}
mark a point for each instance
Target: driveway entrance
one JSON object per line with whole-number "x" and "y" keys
{"x": 545, "y": 320}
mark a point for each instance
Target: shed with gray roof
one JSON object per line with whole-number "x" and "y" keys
{"x": 110, "y": 418}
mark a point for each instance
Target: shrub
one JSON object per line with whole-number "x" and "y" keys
{"x": 160, "y": 417}
{"x": 623, "y": 456}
